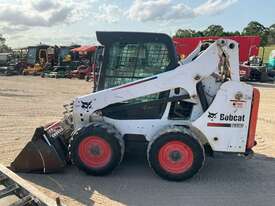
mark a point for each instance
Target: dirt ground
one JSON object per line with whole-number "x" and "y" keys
{"x": 28, "y": 102}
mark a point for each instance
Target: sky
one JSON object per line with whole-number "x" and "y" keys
{"x": 63, "y": 22}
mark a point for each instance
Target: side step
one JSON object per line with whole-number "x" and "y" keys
{"x": 15, "y": 191}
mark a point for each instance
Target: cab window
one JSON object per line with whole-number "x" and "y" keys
{"x": 128, "y": 62}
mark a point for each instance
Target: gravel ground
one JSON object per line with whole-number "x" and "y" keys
{"x": 28, "y": 102}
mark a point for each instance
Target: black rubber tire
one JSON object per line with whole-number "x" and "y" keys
{"x": 196, "y": 147}
{"x": 110, "y": 135}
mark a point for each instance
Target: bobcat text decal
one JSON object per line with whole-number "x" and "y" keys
{"x": 230, "y": 117}
{"x": 226, "y": 118}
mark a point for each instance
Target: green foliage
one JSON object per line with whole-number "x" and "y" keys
{"x": 229, "y": 33}
{"x": 185, "y": 33}
{"x": 189, "y": 33}
{"x": 2, "y": 40}
{"x": 271, "y": 35}
{"x": 214, "y": 30}
{"x": 267, "y": 34}
{"x": 255, "y": 28}
{"x": 3, "y": 46}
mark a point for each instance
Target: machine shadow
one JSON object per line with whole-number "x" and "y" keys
{"x": 134, "y": 183}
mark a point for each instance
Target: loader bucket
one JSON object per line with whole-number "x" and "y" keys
{"x": 43, "y": 154}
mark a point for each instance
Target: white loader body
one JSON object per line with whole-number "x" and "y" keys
{"x": 225, "y": 123}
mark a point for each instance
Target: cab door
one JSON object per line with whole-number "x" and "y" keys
{"x": 128, "y": 59}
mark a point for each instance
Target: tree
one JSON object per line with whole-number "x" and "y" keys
{"x": 271, "y": 36}
{"x": 255, "y": 28}
{"x": 267, "y": 34}
{"x": 214, "y": 30}
{"x": 272, "y": 28}
{"x": 198, "y": 34}
{"x": 184, "y": 33}
{"x": 2, "y": 40}
{"x": 3, "y": 46}
{"x": 188, "y": 33}
{"x": 229, "y": 33}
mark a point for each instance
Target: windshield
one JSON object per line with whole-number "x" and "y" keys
{"x": 64, "y": 52}
{"x": 31, "y": 56}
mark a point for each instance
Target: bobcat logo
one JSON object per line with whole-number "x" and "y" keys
{"x": 212, "y": 115}
{"x": 86, "y": 105}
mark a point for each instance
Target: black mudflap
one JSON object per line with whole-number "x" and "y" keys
{"x": 43, "y": 154}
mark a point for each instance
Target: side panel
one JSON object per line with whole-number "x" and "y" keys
{"x": 147, "y": 128}
{"x": 225, "y": 123}
{"x": 253, "y": 119}
{"x": 184, "y": 76}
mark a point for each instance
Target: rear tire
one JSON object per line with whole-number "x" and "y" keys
{"x": 176, "y": 156}
{"x": 97, "y": 148}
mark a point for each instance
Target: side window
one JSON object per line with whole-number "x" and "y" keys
{"x": 31, "y": 55}
{"x": 43, "y": 54}
{"x": 147, "y": 107}
{"x": 128, "y": 62}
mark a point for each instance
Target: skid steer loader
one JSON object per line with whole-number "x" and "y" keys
{"x": 143, "y": 92}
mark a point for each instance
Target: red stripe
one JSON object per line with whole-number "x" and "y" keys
{"x": 214, "y": 124}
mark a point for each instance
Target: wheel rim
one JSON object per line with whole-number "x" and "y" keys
{"x": 95, "y": 152}
{"x": 175, "y": 157}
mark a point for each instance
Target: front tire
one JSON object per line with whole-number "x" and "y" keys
{"x": 96, "y": 149}
{"x": 176, "y": 156}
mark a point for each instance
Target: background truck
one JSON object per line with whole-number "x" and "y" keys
{"x": 87, "y": 56}
{"x": 7, "y": 66}
{"x": 37, "y": 58}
